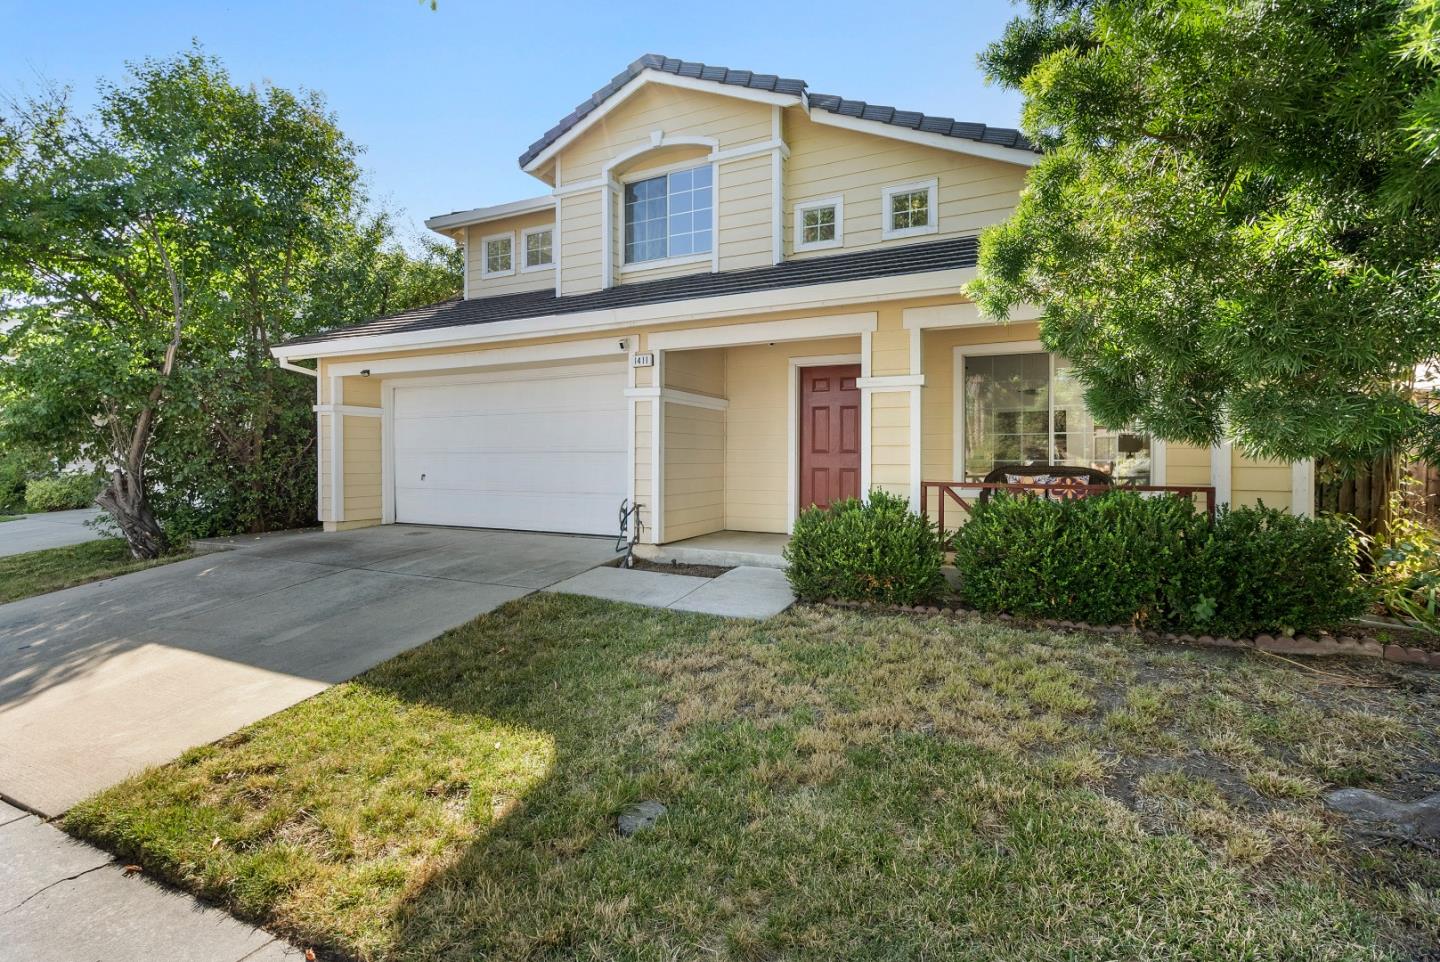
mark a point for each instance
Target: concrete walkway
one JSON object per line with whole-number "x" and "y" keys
{"x": 63, "y": 901}
{"x": 744, "y": 592}
{"x": 53, "y": 529}
{"x": 99, "y": 681}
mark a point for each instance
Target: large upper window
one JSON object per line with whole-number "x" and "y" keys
{"x": 1023, "y": 408}
{"x": 669, "y": 216}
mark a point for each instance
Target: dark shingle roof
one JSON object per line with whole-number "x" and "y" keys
{"x": 945, "y": 126}
{"x": 832, "y": 269}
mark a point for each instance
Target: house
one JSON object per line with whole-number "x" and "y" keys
{"x": 734, "y": 297}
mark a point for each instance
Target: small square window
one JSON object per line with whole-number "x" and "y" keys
{"x": 909, "y": 209}
{"x": 820, "y": 224}
{"x": 539, "y": 248}
{"x": 497, "y": 255}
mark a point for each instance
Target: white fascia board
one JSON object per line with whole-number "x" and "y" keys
{"x": 495, "y": 357}
{"x": 652, "y": 76}
{"x": 958, "y": 145}
{"x": 961, "y": 315}
{"x": 793, "y": 299}
{"x": 479, "y": 215}
{"x": 764, "y": 332}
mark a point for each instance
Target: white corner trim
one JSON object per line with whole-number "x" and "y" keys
{"x": 657, "y": 451}
{"x": 931, "y": 186}
{"x": 1221, "y": 458}
{"x": 1158, "y": 453}
{"x": 485, "y": 254}
{"x": 958, "y": 145}
{"x": 792, "y": 421}
{"x": 644, "y": 78}
{"x": 777, "y": 205}
{"x": 607, "y": 234}
{"x": 465, "y": 263}
{"x": 337, "y": 452}
{"x": 917, "y": 365}
{"x": 1302, "y": 488}
{"x": 714, "y": 216}
{"x": 965, "y": 314}
{"x": 916, "y": 439}
{"x": 524, "y": 252}
{"x": 837, "y": 202}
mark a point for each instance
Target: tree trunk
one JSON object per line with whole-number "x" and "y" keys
{"x": 124, "y": 497}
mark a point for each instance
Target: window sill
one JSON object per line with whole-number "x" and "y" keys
{"x": 829, "y": 245}
{"x": 639, "y": 266}
{"x": 909, "y": 232}
{"x": 486, "y": 275}
{"x": 538, "y": 268}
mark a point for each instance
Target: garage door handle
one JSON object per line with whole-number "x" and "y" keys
{"x": 422, "y": 477}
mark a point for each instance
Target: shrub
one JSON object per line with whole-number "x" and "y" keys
{"x": 1263, "y": 569}
{"x": 1405, "y": 566}
{"x": 1159, "y": 563}
{"x": 1116, "y": 558}
{"x": 876, "y": 550}
{"x": 62, "y": 493}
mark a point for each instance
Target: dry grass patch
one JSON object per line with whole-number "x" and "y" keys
{"x": 839, "y": 785}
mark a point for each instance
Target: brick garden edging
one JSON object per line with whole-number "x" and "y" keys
{"x": 1358, "y": 646}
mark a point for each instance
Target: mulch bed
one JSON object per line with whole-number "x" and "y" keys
{"x": 674, "y": 568}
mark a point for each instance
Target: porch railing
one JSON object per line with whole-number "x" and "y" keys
{"x": 964, "y": 492}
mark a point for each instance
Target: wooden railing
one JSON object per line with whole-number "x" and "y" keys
{"x": 964, "y": 492}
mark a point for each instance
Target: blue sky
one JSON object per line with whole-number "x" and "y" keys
{"x": 445, "y": 101}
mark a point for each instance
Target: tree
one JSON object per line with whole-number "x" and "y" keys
{"x": 1234, "y": 229}
{"x": 149, "y": 258}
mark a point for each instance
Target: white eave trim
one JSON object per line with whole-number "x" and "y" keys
{"x": 652, "y": 76}
{"x": 958, "y": 145}
{"x": 479, "y": 215}
{"x": 816, "y": 297}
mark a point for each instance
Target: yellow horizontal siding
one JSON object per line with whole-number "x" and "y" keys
{"x": 694, "y": 471}
{"x": 512, "y": 283}
{"x": 580, "y": 242}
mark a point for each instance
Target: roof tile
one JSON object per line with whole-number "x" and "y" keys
{"x": 835, "y": 268}
{"x": 944, "y": 126}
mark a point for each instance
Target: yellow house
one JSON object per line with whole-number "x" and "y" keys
{"x": 734, "y": 298}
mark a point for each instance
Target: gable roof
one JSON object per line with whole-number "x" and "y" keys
{"x": 833, "y": 269}
{"x": 771, "y": 83}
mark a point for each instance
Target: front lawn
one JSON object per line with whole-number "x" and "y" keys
{"x": 839, "y": 786}
{"x": 37, "y": 572}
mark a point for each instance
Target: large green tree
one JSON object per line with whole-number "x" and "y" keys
{"x": 1234, "y": 229}
{"x": 150, "y": 255}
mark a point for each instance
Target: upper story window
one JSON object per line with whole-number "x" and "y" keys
{"x": 819, "y": 224}
{"x": 497, "y": 255}
{"x": 538, "y": 245}
{"x": 910, "y": 209}
{"x": 669, "y": 216}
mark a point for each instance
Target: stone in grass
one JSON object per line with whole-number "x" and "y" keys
{"x": 639, "y": 817}
{"x": 1419, "y": 820}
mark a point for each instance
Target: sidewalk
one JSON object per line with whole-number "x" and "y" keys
{"x": 63, "y": 901}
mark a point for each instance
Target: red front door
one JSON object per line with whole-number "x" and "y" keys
{"x": 829, "y": 434}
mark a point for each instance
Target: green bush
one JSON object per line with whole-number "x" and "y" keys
{"x": 62, "y": 493}
{"x": 1263, "y": 569}
{"x": 1117, "y": 558}
{"x": 876, "y": 550}
{"x": 1158, "y": 563}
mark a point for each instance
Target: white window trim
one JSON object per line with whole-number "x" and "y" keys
{"x": 711, "y": 255}
{"x": 837, "y": 202}
{"x": 932, "y": 187}
{"x": 485, "y": 254}
{"x": 957, "y": 411}
{"x": 527, "y": 268}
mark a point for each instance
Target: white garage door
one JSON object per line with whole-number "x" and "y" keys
{"x": 539, "y": 450}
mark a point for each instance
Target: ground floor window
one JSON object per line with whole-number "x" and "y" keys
{"x": 1018, "y": 408}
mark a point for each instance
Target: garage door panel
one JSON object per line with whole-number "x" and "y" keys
{"x": 543, "y": 452}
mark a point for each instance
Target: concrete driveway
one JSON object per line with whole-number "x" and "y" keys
{"x": 53, "y": 529}
{"x": 99, "y": 681}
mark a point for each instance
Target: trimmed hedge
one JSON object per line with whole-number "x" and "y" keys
{"x": 62, "y": 493}
{"x": 876, "y": 550}
{"x": 1118, "y": 558}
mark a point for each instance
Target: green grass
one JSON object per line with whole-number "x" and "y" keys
{"x": 10, "y": 517}
{"x": 37, "y": 572}
{"x": 840, "y": 786}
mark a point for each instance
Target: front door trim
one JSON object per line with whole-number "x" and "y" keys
{"x": 793, "y": 472}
